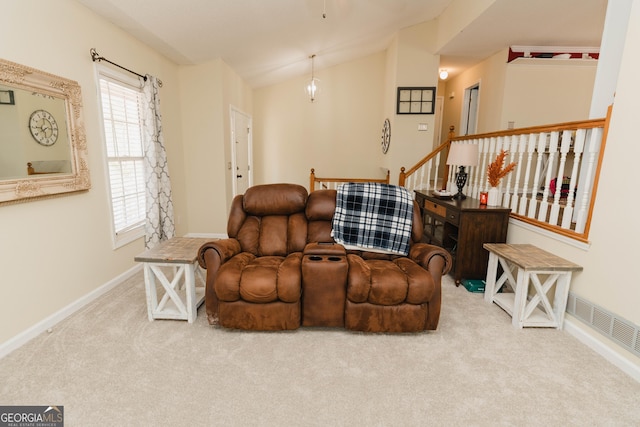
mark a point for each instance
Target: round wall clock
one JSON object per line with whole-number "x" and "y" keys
{"x": 386, "y": 136}
{"x": 43, "y": 127}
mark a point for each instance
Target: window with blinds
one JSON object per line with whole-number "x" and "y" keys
{"x": 121, "y": 105}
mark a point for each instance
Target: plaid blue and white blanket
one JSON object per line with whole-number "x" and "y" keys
{"x": 373, "y": 216}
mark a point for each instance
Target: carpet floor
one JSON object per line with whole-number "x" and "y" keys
{"x": 109, "y": 366}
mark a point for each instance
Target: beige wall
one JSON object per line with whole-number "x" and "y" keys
{"x": 339, "y": 132}
{"x": 207, "y": 93}
{"x": 54, "y": 252}
{"x": 202, "y": 121}
{"x": 415, "y": 65}
{"x": 544, "y": 91}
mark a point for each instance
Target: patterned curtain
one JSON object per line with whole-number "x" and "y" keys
{"x": 159, "y": 224}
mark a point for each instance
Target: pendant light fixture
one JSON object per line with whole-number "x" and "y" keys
{"x": 312, "y": 87}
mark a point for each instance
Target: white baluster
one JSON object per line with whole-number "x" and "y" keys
{"x": 564, "y": 149}
{"x": 593, "y": 149}
{"x": 451, "y": 177}
{"x": 485, "y": 162}
{"x": 494, "y": 152}
{"x": 553, "y": 148}
{"x": 470, "y": 175}
{"x": 510, "y": 145}
{"x": 542, "y": 142}
{"x": 518, "y": 148}
{"x": 477, "y": 172}
{"x": 526, "y": 196}
{"x": 419, "y": 179}
{"x": 478, "y": 175}
{"x": 578, "y": 147}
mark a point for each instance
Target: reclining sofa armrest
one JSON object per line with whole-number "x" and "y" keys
{"x": 430, "y": 256}
{"x": 226, "y": 249}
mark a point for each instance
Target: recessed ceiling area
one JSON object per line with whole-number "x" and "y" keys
{"x": 266, "y": 42}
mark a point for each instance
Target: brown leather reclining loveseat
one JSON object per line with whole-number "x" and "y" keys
{"x": 280, "y": 269}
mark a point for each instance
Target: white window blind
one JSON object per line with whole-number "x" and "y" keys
{"x": 121, "y": 106}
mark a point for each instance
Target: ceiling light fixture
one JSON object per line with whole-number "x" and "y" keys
{"x": 444, "y": 74}
{"x": 311, "y": 87}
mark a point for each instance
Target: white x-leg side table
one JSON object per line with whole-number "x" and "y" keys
{"x": 533, "y": 265}
{"x": 182, "y": 297}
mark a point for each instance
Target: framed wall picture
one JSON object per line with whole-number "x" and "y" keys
{"x": 416, "y": 100}
{"x": 6, "y": 97}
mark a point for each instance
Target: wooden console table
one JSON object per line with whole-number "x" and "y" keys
{"x": 530, "y": 262}
{"x": 182, "y": 297}
{"x": 462, "y": 227}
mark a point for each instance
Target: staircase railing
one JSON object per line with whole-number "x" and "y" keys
{"x": 553, "y": 185}
{"x": 317, "y": 183}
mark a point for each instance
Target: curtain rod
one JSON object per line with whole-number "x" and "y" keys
{"x": 95, "y": 56}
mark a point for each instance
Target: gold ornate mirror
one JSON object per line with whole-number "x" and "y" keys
{"x": 43, "y": 147}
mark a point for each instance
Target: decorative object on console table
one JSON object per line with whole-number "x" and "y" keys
{"x": 462, "y": 155}
{"x": 493, "y": 197}
{"x": 484, "y": 197}
{"x": 495, "y": 173}
{"x": 462, "y": 227}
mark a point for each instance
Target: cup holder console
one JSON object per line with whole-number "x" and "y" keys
{"x": 324, "y": 284}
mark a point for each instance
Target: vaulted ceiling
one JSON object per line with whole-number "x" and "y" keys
{"x": 270, "y": 41}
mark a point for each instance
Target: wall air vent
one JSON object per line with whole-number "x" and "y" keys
{"x": 623, "y": 332}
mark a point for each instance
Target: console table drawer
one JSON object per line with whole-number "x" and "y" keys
{"x": 435, "y": 208}
{"x": 453, "y": 217}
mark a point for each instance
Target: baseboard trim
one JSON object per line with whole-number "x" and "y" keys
{"x": 40, "y": 327}
{"x": 613, "y": 357}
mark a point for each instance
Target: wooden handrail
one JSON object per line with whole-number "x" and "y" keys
{"x": 581, "y": 124}
{"x": 313, "y": 179}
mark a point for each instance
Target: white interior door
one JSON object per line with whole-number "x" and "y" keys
{"x": 241, "y": 132}
{"x": 469, "y": 123}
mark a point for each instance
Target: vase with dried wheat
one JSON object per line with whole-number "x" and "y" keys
{"x": 495, "y": 172}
